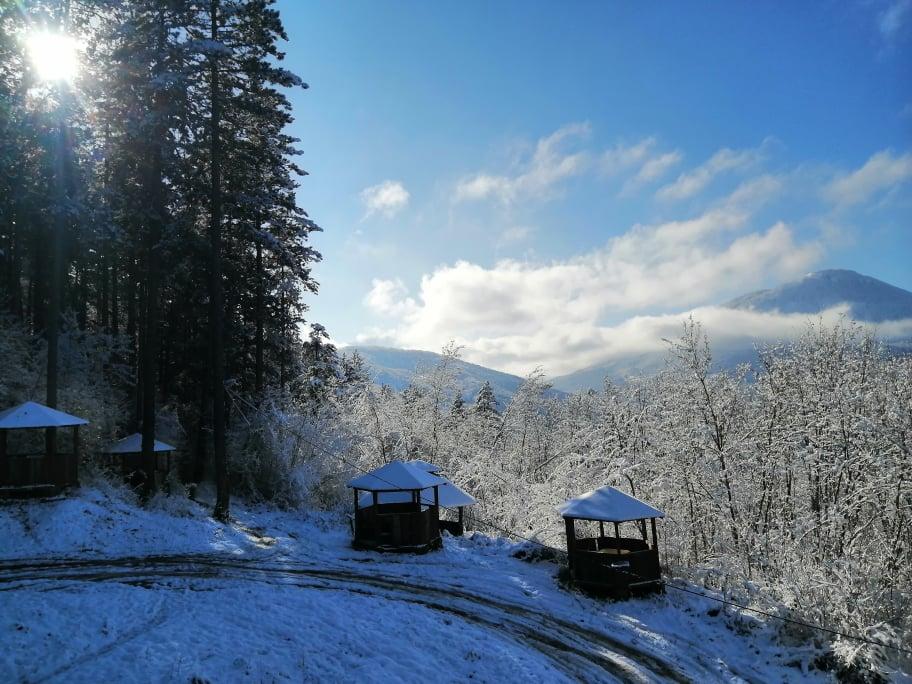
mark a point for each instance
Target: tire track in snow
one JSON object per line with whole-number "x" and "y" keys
{"x": 594, "y": 654}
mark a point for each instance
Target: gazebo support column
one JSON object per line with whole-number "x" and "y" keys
{"x": 376, "y": 500}
{"x": 3, "y": 461}
{"x": 73, "y": 474}
{"x": 655, "y": 538}
{"x": 356, "y": 513}
{"x": 571, "y": 542}
{"x": 601, "y": 529}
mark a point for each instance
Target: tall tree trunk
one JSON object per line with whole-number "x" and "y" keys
{"x": 259, "y": 317}
{"x": 153, "y": 239}
{"x": 216, "y": 313}
{"x": 56, "y": 281}
{"x": 115, "y": 313}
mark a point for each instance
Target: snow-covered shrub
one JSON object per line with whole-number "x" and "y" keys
{"x": 280, "y": 455}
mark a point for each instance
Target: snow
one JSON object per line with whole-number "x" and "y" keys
{"x": 608, "y": 504}
{"x": 133, "y": 445}
{"x": 34, "y": 415}
{"x": 395, "y": 476}
{"x": 449, "y": 496}
{"x": 92, "y": 585}
{"x": 424, "y": 465}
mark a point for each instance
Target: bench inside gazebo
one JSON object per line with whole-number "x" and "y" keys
{"x": 397, "y": 516}
{"x": 609, "y": 564}
{"x": 37, "y": 472}
{"x": 126, "y": 455}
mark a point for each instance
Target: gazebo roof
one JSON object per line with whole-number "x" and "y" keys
{"x": 609, "y": 505}
{"x": 424, "y": 465}
{"x": 448, "y": 494}
{"x": 34, "y": 415}
{"x": 396, "y": 477}
{"x": 133, "y": 445}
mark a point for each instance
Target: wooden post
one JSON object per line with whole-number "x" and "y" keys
{"x": 73, "y": 475}
{"x": 571, "y": 542}
{"x": 376, "y": 501}
{"x": 4, "y": 468}
{"x": 617, "y": 533}
{"x": 355, "y": 526}
{"x": 437, "y": 502}
{"x": 655, "y": 538}
{"x": 642, "y": 524}
{"x": 601, "y": 530}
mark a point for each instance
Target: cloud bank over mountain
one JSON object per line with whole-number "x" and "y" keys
{"x": 744, "y": 223}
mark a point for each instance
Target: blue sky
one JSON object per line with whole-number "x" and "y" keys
{"x": 532, "y": 179}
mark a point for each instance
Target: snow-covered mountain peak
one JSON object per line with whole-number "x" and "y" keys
{"x": 869, "y": 299}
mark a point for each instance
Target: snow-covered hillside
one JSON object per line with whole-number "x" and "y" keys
{"x": 397, "y": 368}
{"x": 869, "y": 299}
{"x": 92, "y": 585}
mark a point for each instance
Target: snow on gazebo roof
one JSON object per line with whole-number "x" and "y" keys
{"x": 609, "y": 505}
{"x": 34, "y": 415}
{"x": 133, "y": 445}
{"x": 449, "y": 496}
{"x": 425, "y": 466}
{"x": 394, "y": 477}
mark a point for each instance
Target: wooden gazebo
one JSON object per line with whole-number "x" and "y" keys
{"x": 613, "y": 565}
{"x": 405, "y": 523}
{"x": 39, "y": 472}
{"x": 126, "y": 455}
{"x": 450, "y": 497}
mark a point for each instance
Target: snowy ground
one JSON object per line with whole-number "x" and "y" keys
{"x": 94, "y": 588}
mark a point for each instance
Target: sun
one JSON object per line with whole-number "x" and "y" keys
{"x": 54, "y": 55}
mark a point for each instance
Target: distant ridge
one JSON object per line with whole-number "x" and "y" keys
{"x": 868, "y": 299}
{"x": 397, "y": 367}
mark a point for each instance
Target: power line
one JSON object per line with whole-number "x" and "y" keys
{"x": 856, "y": 637}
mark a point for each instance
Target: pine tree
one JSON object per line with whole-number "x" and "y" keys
{"x": 486, "y": 402}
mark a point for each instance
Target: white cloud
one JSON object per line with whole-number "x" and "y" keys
{"x": 388, "y": 298}
{"x": 386, "y": 198}
{"x": 657, "y": 167}
{"x": 692, "y": 182}
{"x": 622, "y": 156}
{"x": 535, "y": 177}
{"x": 891, "y": 20}
{"x": 649, "y": 165}
{"x": 516, "y": 315}
{"x": 514, "y": 234}
{"x": 882, "y": 171}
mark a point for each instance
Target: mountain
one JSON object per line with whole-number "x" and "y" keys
{"x": 397, "y": 367}
{"x": 869, "y": 300}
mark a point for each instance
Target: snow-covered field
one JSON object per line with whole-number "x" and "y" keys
{"x": 93, "y": 588}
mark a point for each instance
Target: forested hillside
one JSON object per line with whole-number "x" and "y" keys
{"x": 148, "y": 223}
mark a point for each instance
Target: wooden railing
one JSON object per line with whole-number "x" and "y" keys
{"x": 396, "y": 525}
{"x": 39, "y": 470}
{"x": 614, "y": 565}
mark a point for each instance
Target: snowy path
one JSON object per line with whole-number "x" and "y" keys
{"x": 578, "y": 652}
{"x": 93, "y": 587}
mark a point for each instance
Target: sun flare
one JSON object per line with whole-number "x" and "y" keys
{"x": 54, "y": 55}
